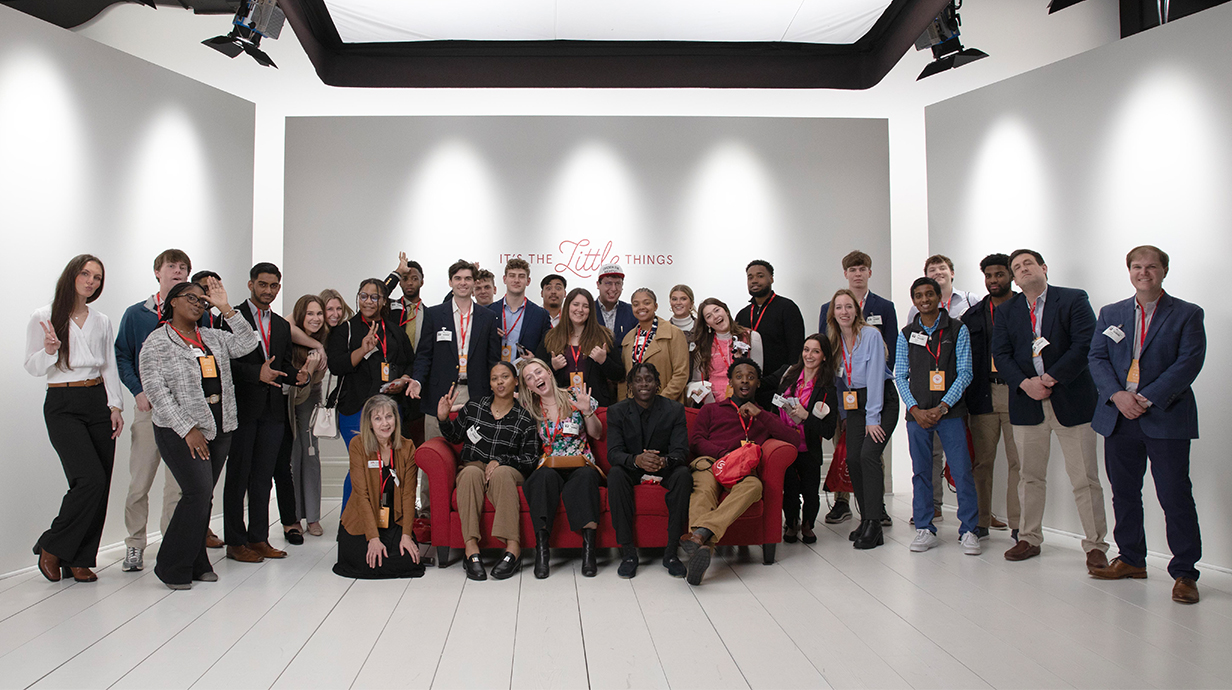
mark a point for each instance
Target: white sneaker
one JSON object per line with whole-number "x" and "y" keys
{"x": 924, "y": 540}
{"x": 970, "y": 544}
{"x": 132, "y": 560}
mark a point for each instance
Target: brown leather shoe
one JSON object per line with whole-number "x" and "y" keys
{"x": 83, "y": 574}
{"x": 1096, "y": 559}
{"x": 49, "y": 566}
{"x": 1185, "y": 591}
{"x": 243, "y": 554}
{"x": 1022, "y": 551}
{"x": 264, "y": 549}
{"x": 1117, "y": 570}
{"x": 212, "y": 541}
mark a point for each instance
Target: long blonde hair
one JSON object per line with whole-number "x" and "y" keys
{"x": 530, "y": 399}
{"x": 832, "y": 328}
{"x": 377, "y": 402}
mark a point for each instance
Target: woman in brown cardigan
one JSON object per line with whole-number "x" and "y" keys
{"x": 656, "y": 342}
{"x": 375, "y": 540}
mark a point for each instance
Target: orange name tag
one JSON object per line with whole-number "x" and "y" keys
{"x": 850, "y": 402}
{"x": 1133, "y": 373}
{"x": 506, "y": 353}
{"x": 461, "y": 365}
{"x": 385, "y": 372}
{"x": 209, "y": 368}
{"x": 936, "y": 380}
{"x": 382, "y": 518}
{"x": 576, "y": 380}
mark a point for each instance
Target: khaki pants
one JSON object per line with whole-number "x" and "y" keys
{"x": 1078, "y": 445}
{"x": 986, "y": 432}
{"x": 705, "y": 509}
{"x": 143, "y": 463}
{"x": 502, "y": 490}
{"x": 432, "y": 429}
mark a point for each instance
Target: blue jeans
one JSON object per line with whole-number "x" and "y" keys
{"x": 348, "y": 426}
{"x": 953, "y": 435}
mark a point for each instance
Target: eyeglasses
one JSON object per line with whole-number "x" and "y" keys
{"x": 368, "y": 297}
{"x": 193, "y": 300}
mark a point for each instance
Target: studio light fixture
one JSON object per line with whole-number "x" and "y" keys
{"x": 254, "y": 20}
{"x": 942, "y": 37}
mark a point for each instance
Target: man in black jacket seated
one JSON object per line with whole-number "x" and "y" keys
{"x": 647, "y": 437}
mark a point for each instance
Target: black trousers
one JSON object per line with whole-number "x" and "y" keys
{"x": 79, "y": 427}
{"x": 284, "y": 485}
{"x": 250, "y": 472}
{"x": 864, "y": 456}
{"x": 579, "y": 487}
{"x": 803, "y": 478}
{"x": 353, "y": 556}
{"x": 620, "y": 484}
{"x": 182, "y": 556}
{"x": 1125, "y": 456}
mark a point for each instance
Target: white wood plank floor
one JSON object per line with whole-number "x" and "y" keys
{"x": 824, "y": 616}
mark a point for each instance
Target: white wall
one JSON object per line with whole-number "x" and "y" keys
{"x": 100, "y": 152}
{"x": 1124, "y": 145}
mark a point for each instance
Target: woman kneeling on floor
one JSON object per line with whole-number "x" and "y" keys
{"x": 375, "y": 539}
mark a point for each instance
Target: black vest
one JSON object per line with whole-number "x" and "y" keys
{"x": 921, "y": 363}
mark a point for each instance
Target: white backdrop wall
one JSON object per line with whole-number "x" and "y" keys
{"x": 1127, "y": 144}
{"x": 675, "y": 200}
{"x": 104, "y": 153}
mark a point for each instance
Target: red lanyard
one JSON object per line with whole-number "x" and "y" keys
{"x": 199, "y": 342}
{"x": 384, "y": 337}
{"x": 413, "y": 309}
{"x": 936, "y": 357}
{"x": 992, "y": 314}
{"x": 553, "y": 430}
{"x": 1142, "y": 334}
{"x": 265, "y": 335}
{"x": 158, "y": 307}
{"x": 846, "y": 357}
{"x": 1031, "y": 312}
{"x": 730, "y": 357}
{"x": 465, "y": 321}
{"x": 577, "y": 355}
{"x": 509, "y": 329}
{"x": 643, "y": 340}
{"x": 948, "y": 302}
{"x": 763, "y": 310}
{"x": 740, "y": 417}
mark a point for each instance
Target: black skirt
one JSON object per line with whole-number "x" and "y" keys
{"x": 353, "y": 553}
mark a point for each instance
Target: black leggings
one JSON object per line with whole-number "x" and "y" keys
{"x": 803, "y": 477}
{"x": 864, "y": 455}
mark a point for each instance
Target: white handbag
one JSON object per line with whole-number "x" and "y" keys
{"x": 324, "y": 420}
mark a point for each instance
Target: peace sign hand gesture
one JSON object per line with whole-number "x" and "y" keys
{"x": 370, "y": 341}
{"x": 51, "y": 344}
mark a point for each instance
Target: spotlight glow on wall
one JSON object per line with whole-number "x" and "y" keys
{"x": 1008, "y": 199}
{"x": 170, "y": 186}
{"x": 731, "y": 200}
{"x": 453, "y": 206}
{"x": 595, "y": 196}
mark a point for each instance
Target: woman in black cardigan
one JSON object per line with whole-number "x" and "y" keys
{"x": 810, "y": 382}
{"x": 582, "y": 352}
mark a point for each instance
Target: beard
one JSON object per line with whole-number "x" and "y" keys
{"x": 764, "y": 292}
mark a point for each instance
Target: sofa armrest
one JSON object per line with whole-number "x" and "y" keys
{"x": 777, "y": 456}
{"x": 438, "y": 461}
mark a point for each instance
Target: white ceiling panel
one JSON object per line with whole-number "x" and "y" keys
{"x": 675, "y": 20}
{"x": 375, "y": 21}
{"x": 835, "y": 22}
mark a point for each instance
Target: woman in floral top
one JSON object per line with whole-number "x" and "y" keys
{"x": 560, "y": 418}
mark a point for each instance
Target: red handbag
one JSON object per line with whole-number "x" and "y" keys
{"x": 737, "y": 464}
{"x": 838, "y": 478}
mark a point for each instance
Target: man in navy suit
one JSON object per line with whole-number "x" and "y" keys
{"x": 459, "y": 345}
{"x": 1145, "y": 355}
{"x": 522, "y": 322}
{"x": 611, "y": 312}
{"x": 1040, "y": 341}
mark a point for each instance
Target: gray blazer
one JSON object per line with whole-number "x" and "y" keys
{"x": 171, "y": 376}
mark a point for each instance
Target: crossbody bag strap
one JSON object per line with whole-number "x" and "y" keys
{"x": 331, "y": 400}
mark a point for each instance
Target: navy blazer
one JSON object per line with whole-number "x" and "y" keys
{"x": 436, "y": 363}
{"x": 625, "y": 321}
{"x": 1068, "y": 324}
{"x": 536, "y": 321}
{"x": 874, "y": 305}
{"x": 1170, "y": 360}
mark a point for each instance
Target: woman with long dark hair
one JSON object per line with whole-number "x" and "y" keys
{"x": 73, "y": 346}
{"x": 581, "y": 350}
{"x": 309, "y": 317}
{"x": 718, "y": 341}
{"x": 808, "y": 395}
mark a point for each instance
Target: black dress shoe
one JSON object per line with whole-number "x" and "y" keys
{"x": 628, "y": 562}
{"x": 294, "y": 536}
{"x": 789, "y": 534}
{"x": 808, "y": 538}
{"x": 507, "y": 567}
{"x": 474, "y": 568}
{"x": 674, "y": 567}
{"x": 543, "y": 555}
{"x": 590, "y": 565}
{"x": 856, "y": 532}
{"x": 870, "y": 535}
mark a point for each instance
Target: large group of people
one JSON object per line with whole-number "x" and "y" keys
{"x": 519, "y": 386}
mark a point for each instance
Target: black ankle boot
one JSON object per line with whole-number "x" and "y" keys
{"x": 870, "y": 535}
{"x": 543, "y": 555}
{"x": 590, "y": 567}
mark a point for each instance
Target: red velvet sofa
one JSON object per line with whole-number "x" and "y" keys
{"x": 761, "y": 524}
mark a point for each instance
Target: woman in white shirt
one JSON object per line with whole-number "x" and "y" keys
{"x": 73, "y": 346}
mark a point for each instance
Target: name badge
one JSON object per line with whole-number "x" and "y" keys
{"x": 1038, "y": 345}
{"x": 1115, "y": 333}
{"x": 936, "y": 380}
{"x": 209, "y": 368}
{"x": 443, "y": 335}
{"x": 506, "y": 353}
{"x": 692, "y": 347}
{"x": 473, "y": 434}
{"x": 461, "y": 365}
{"x": 570, "y": 427}
{"x": 742, "y": 347}
{"x": 918, "y": 339}
{"x": 374, "y": 464}
{"x": 577, "y": 380}
{"x": 385, "y": 371}
{"x": 873, "y": 319}
{"x": 850, "y": 401}
{"x": 382, "y": 518}
{"x": 196, "y": 352}
{"x": 779, "y": 401}
{"x": 1132, "y": 377}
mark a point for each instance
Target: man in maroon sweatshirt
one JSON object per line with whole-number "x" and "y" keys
{"x": 721, "y": 428}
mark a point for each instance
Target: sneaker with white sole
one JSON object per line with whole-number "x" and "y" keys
{"x": 132, "y": 560}
{"x": 970, "y": 544}
{"x": 924, "y": 540}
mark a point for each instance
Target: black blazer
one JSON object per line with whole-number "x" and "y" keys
{"x": 364, "y": 381}
{"x": 665, "y": 431}
{"x": 978, "y": 321}
{"x": 436, "y": 363}
{"x": 1068, "y": 324}
{"x": 601, "y": 378}
{"x": 815, "y": 429}
{"x": 254, "y": 399}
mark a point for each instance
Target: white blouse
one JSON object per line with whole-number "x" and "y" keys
{"x": 91, "y": 353}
